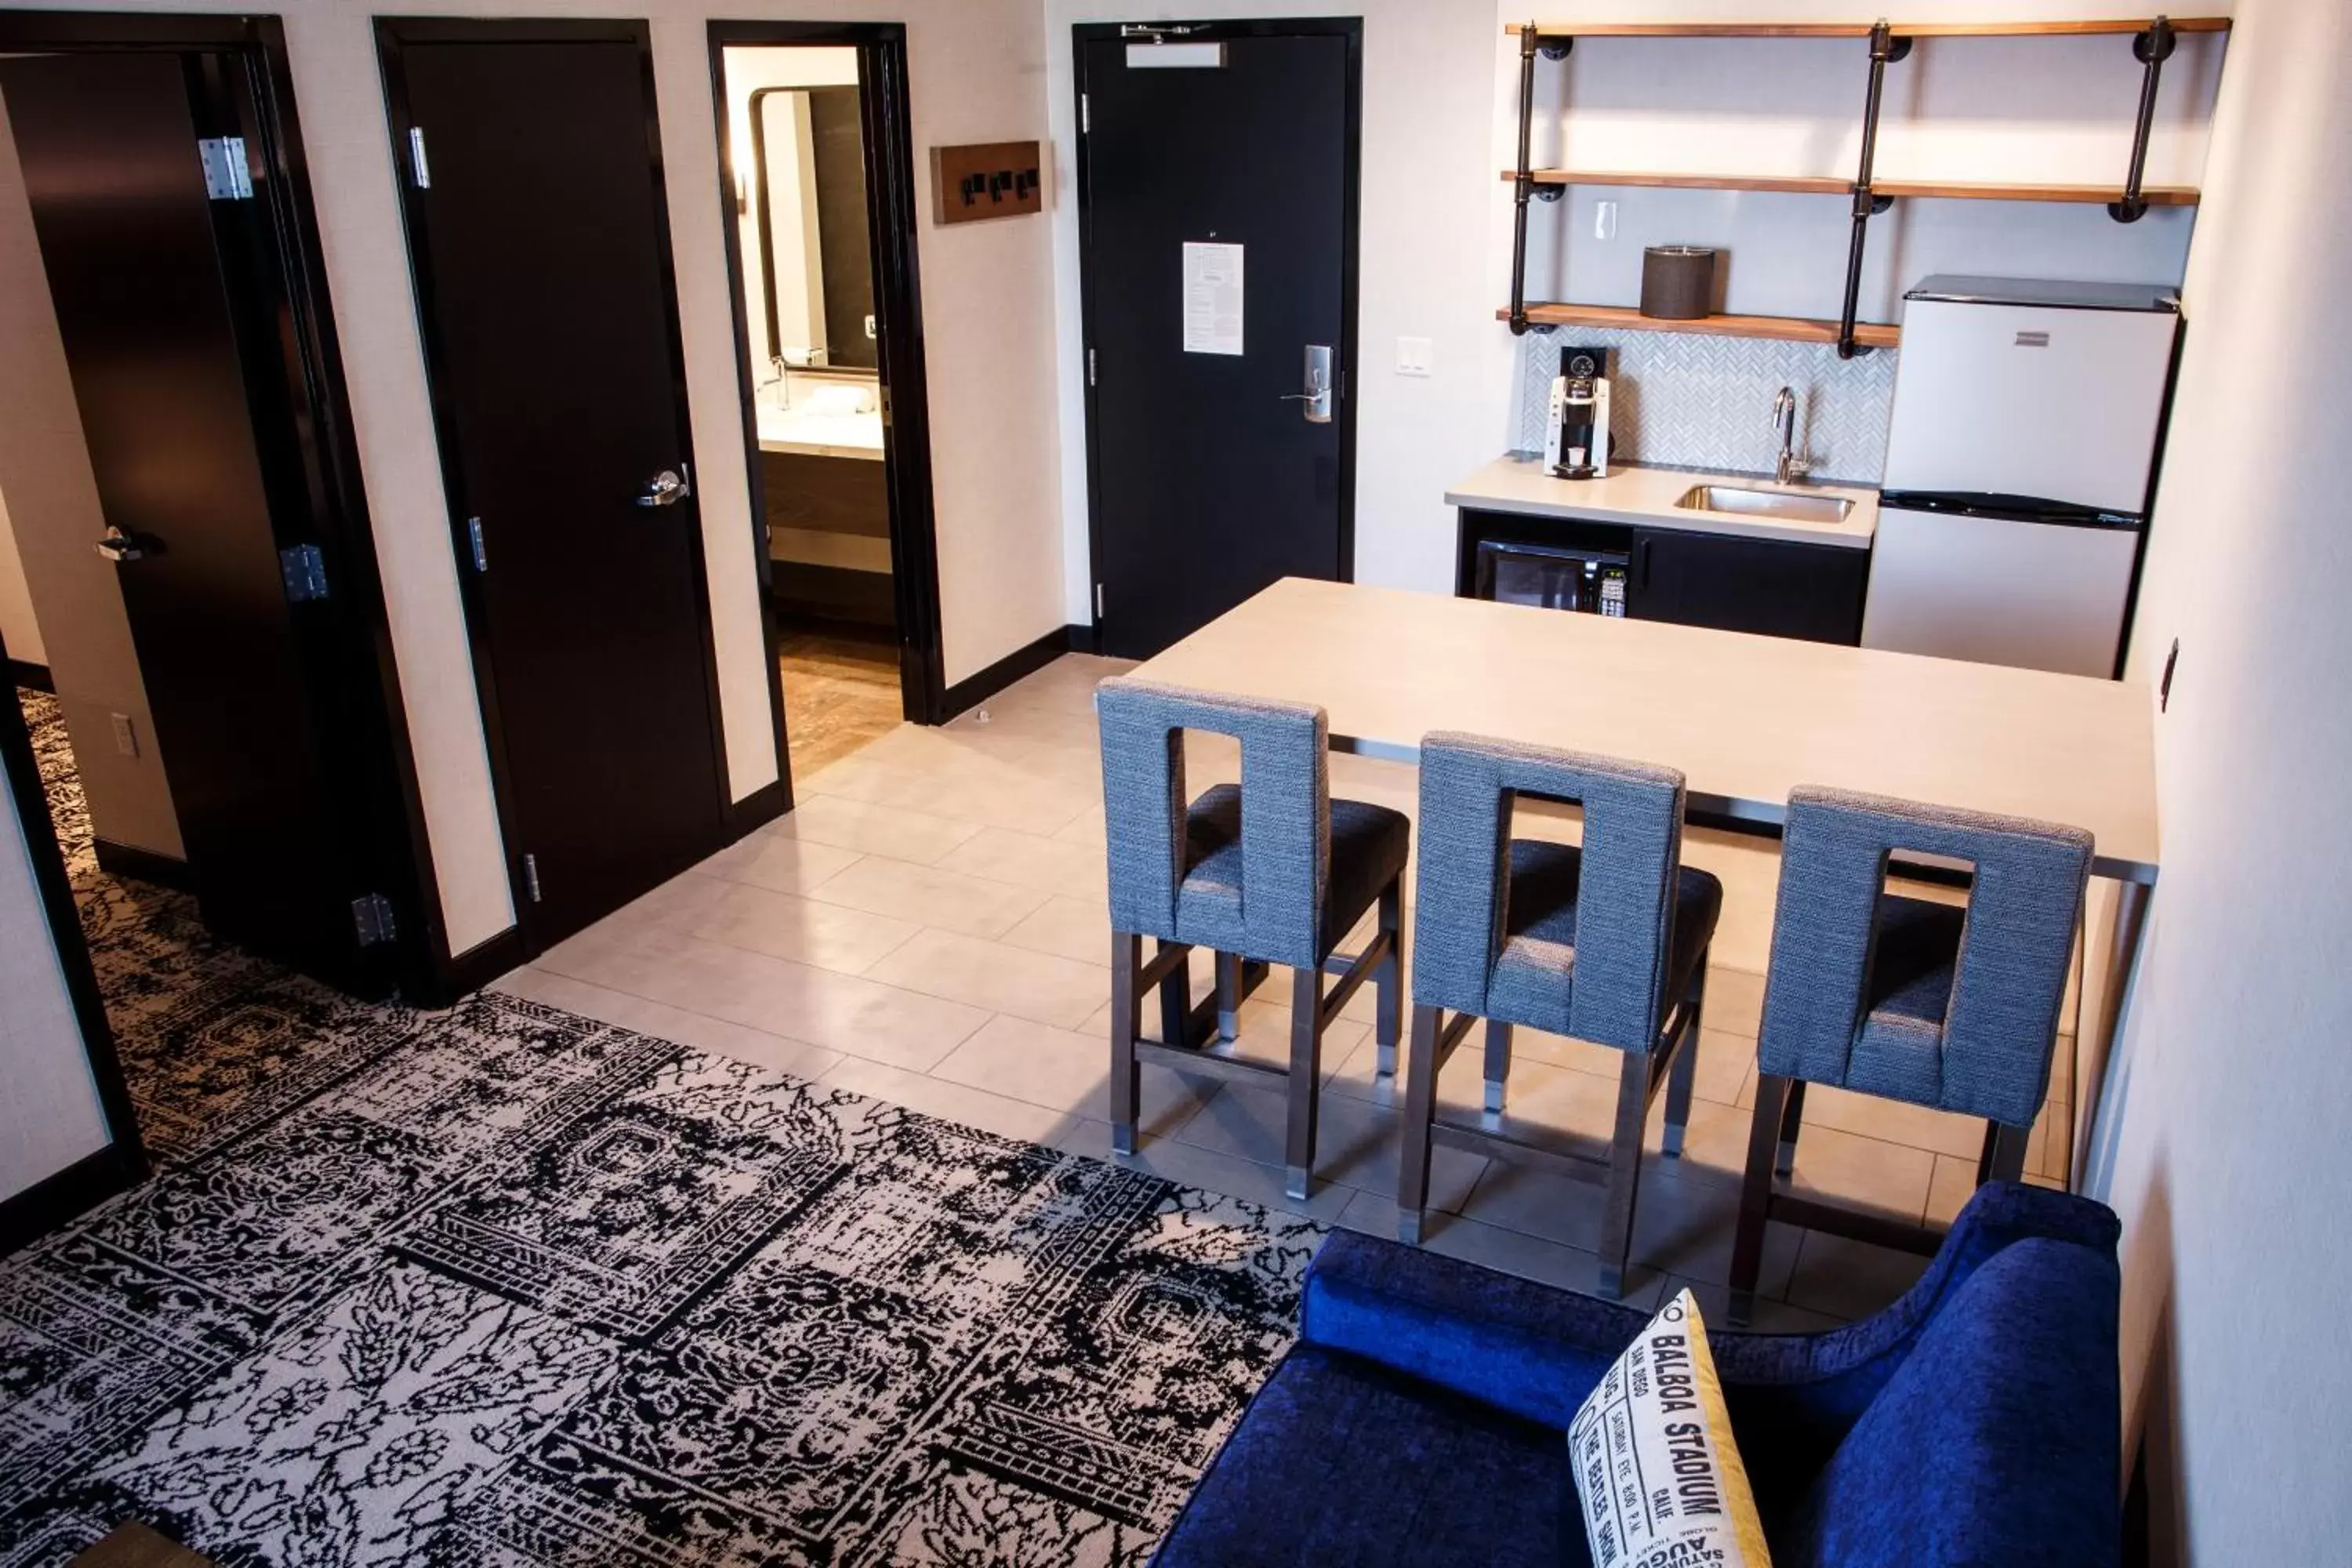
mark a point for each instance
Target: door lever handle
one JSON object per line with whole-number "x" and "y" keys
{"x": 1317, "y": 377}
{"x": 119, "y": 547}
{"x": 665, "y": 489}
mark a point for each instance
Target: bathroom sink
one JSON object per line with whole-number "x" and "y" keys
{"x": 1764, "y": 503}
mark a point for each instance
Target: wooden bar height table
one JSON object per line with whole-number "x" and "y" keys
{"x": 1746, "y": 719}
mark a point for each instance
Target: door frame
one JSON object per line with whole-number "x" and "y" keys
{"x": 885, "y": 109}
{"x": 1350, "y": 29}
{"x": 347, "y": 649}
{"x": 392, "y": 32}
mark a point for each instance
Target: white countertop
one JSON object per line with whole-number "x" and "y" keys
{"x": 821, "y": 434}
{"x": 1647, "y": 496}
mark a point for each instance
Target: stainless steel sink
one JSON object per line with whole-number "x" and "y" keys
{"x": 1764, "y": 503}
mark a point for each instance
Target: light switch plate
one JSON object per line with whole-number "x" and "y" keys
{"x": 126, "y": 737}
{"x": 1413, "y": 356}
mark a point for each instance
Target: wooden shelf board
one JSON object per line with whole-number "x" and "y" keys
{"x": 1794, "y": 329}
{"x": 1800, "y": 184}
{"x": 2155, "y": 195}
{"x": 1825, "y": 185}
{"x": 1694, "y": 29}
{"x": 2103, "y": 26}
{"x": 1861, "y": 29}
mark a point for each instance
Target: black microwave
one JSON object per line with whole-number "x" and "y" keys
{"x": 1551, "y": 576}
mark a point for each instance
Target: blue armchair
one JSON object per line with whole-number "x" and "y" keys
{"x": 1422, "y": 1416}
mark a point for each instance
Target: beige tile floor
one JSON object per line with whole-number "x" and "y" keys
{"x": 929, "y": 928}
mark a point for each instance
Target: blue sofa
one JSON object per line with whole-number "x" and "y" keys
{"x": 1422, "y": 1416}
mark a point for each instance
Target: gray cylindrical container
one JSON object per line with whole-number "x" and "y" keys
{"x": 1678, "y": 282}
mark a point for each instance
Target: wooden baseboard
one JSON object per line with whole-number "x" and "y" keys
{"x": 73, "y": 1192}
{"x": 974, "y": 689}
{"x": 34, "y": 677}
{"x": 1084, "y": 639}
{"x": 143, "y": 865}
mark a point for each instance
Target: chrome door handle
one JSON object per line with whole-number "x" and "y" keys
{"x": 665, "y": 489}
{"x": 1318, "y": 396}
{"x": 119, "y": 547}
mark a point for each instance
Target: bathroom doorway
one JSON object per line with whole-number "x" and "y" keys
{"x": 819, "y": 201}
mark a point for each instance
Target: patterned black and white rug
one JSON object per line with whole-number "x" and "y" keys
{"x": 502, "y": 1285}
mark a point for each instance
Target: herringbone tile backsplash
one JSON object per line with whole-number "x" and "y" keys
{"x": 1687, "y": 400}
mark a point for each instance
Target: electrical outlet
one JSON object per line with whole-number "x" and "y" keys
{"x": 126, "y": 737}
{"x": 1604, "y": 220}
{"x": 1413, "y": 356}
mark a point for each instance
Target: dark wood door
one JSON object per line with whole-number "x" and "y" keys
{"x": 1209, "y": 479}
{"x": 1770, "y": 587}
{"x": 187, "y": 427}
{"x": 539, "y": 245}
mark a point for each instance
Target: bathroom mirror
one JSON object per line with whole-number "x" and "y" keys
{"x": 808, "y": 179}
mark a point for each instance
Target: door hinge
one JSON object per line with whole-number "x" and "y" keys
{"x": 304, "y": 570}
{"x": 418, "y": 169}
{"x": 1085, "y": 115}
{"x": 530, "y": 877}
{"x": 474, "y": 538}
{"x": 1090, "y": 367}
{"x": 227, "y": 179}
{"x": 1098, "y": 601}
{"x": 371, "y": 918}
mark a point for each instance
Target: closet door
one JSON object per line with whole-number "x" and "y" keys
{"x": 539, "y": 244}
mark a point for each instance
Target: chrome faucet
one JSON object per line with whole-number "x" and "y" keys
{"x": 1790, "y": 469}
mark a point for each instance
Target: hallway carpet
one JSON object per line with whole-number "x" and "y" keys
{"x": 503, "y": 1285}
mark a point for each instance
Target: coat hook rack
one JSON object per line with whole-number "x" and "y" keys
{"x": 2152, "y": 48}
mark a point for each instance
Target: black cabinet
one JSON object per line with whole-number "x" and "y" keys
{"x": 1775, "y": 587}
{"x": 1767, "y": 585}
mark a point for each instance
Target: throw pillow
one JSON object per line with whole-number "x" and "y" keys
{"x": 1655, "y": 1467}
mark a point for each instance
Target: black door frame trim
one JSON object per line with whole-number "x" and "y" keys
{"x": 89, "y": 1180}
{"x": 1350, "y": 29}
{"x": 394, "y": 839}
{"x": 885, "y": 111}
{"x": 392, "y": 32}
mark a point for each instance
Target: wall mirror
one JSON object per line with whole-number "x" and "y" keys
{"x": 807, "y": 196}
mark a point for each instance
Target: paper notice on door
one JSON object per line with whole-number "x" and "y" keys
{"x": 1212, "y": 299}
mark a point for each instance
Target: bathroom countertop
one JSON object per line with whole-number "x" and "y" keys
{"x": 813, "y": 435}
{"x": 1647, "y": 497}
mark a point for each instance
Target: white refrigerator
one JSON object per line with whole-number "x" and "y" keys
{"x": 2019, "y": 467}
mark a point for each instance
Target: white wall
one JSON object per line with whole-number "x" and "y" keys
{"x": 2223, "y": 1143}
{"x": 20, "y": 629}
{"x": 49, "y": 1111}
{"x": 50, "y": 497}
{"x": 974, "y": 68}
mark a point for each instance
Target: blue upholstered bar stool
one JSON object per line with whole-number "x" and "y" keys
{"x": 1929, "y": 1004}
{"x": 1606, "y": 942}
{"x": 1270, "y": 871}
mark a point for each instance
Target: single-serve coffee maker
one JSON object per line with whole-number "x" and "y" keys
{"x": 1576, "y": 432}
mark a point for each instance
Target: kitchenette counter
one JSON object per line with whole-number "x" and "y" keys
{"x": 1647, "y": 498}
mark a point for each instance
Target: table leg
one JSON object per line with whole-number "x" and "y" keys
{"x": 2110, "y": 947}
